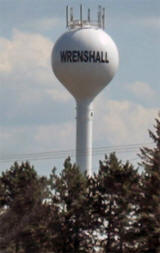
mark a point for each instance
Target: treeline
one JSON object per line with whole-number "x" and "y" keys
{"x": 115, "y": 211}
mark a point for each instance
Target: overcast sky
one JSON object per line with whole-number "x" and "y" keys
{"x": 37, "y": 114}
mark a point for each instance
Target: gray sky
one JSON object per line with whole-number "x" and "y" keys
{"x": 37, "y": 114}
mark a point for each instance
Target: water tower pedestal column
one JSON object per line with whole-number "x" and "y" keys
{"x": 84, "y": 136}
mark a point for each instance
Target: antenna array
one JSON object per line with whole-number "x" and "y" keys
{"x": 72, "y": 23}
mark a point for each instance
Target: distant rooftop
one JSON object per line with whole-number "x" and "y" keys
{"x": 72, "y": 23}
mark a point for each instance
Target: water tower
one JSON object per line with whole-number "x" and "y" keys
{"x": 84, "y": 59}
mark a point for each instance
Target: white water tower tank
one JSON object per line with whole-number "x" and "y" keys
{"x": 85, "y": 59}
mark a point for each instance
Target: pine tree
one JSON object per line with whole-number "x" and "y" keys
{"x": 22, "y": 197}
{"x": 70, "y": 196}
{"x": 149, "y": 200}
{"x": 116, "y": 189}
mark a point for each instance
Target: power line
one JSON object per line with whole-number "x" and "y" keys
{"x": 62, "y": 154}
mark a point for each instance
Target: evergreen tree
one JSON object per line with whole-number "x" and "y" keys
{"x": 149, "y": 199}
{"x": 114, "y": 205}
{"x": 70, "y": 197}
{"x": 22, "y": 198}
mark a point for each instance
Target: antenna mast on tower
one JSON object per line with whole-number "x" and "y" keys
{"x": 71, "y": 22}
